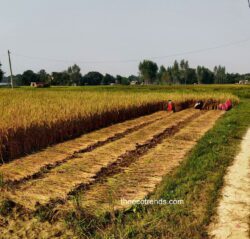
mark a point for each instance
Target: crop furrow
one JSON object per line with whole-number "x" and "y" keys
{"x": 60, "y": 181}
{"x": 46, "y": 169}
{"x": 128, "y": 158}
{"x": 36, "y": 165}
{"x": 123, "y": 162}
{"x": 142, "y": 176}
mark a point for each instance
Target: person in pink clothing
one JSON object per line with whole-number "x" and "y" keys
{"x": 226, "y": 106}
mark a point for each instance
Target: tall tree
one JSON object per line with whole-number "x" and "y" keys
{"x": 148, "y": 71}
{"x": 108, "y": 79}
{"x": 191, "y": 76}
{"x": 60, "y": 78}
{"x": 176, "y": 73}
{"x": 164, "y": 76}
{"x": 160, "y": 73}
{"x": 220, "y": 75}
{"x": 74, "y": 74}
{"x": 119, "y": 79}
{"x": 184, "y": 67}
{"x": 1, "y": 73}
{"x": 204, "y": 75}
{"x": 43, "y": 76}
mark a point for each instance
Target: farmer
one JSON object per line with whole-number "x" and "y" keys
{"x": 171, "y": 106}
{"x": 226, "y": 106}
{"x": 199, "y": 104}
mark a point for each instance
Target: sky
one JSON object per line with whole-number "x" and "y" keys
{"x": 113, "y": 36}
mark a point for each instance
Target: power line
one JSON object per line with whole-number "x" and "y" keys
{"x": 136, "y": 60}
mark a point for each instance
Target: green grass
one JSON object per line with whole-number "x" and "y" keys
{"x": 197, "y": 181}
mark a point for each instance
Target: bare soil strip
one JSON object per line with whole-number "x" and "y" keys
{"x": 32, "y": 165}
{"x": 60, "y": 181}
{"x": 142, "y": 176}
{"x": 233, "y": 212}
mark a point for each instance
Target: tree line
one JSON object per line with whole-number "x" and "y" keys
{"x": 182, "y": 73}
{"x": 149, "y": 73}
{"x": 71, "y": 76}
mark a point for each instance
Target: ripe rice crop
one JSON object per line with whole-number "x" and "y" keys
{"x": 33, "y": 119}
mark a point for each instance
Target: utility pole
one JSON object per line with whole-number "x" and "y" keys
{"x": 249, "y": 3}
{"x": 11, "y": 75}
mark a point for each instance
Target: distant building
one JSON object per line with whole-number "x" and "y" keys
{"x": 134, "y": 82}
{"x": 243, "y": 82}
{"x": 4, "y": 84}
{"x": 39, "y": 84}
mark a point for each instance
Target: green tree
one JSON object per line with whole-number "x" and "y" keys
{"x": 1, "y": 73}
{"x": 43, "y": 76}
{"x": 184, "y": 67}
{"x": 119, "y": 79}
{"x": 234, "y": 78}
{"x": 123, "y": 80}
{"x": 60, "y": 78}
{"x": 164, "y": 76}
{"x": 74, "y": 74}
{"x": 18, "y": 80}
{"x": 220, "y": 76}
{"x": 160, "y": 74}
{"x": 55, "y": 78}
{"x": 108, "y": 79}
{"x": 92, "y": 78}
{"x": 148, "y": 71}
{"x": 191, "y": 76}
{"x": 28, "y": 77}
{"x": 204, "y": 75}
{"x": 175, "y": 72}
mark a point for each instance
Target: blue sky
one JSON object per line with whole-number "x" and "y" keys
{"x": 104, "y": 35}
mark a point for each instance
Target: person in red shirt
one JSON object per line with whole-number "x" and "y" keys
{"x": 171, "y": 106}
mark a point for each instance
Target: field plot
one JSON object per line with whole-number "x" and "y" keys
{"x": 32, "y": 120}
{"x": 141, "y": 178}
{"x": 32, "y": 165}
{"x": 128, "y": 159}
{"x": 74, "y": 154}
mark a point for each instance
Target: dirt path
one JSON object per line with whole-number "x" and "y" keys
{"x": 233, "y": 212}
